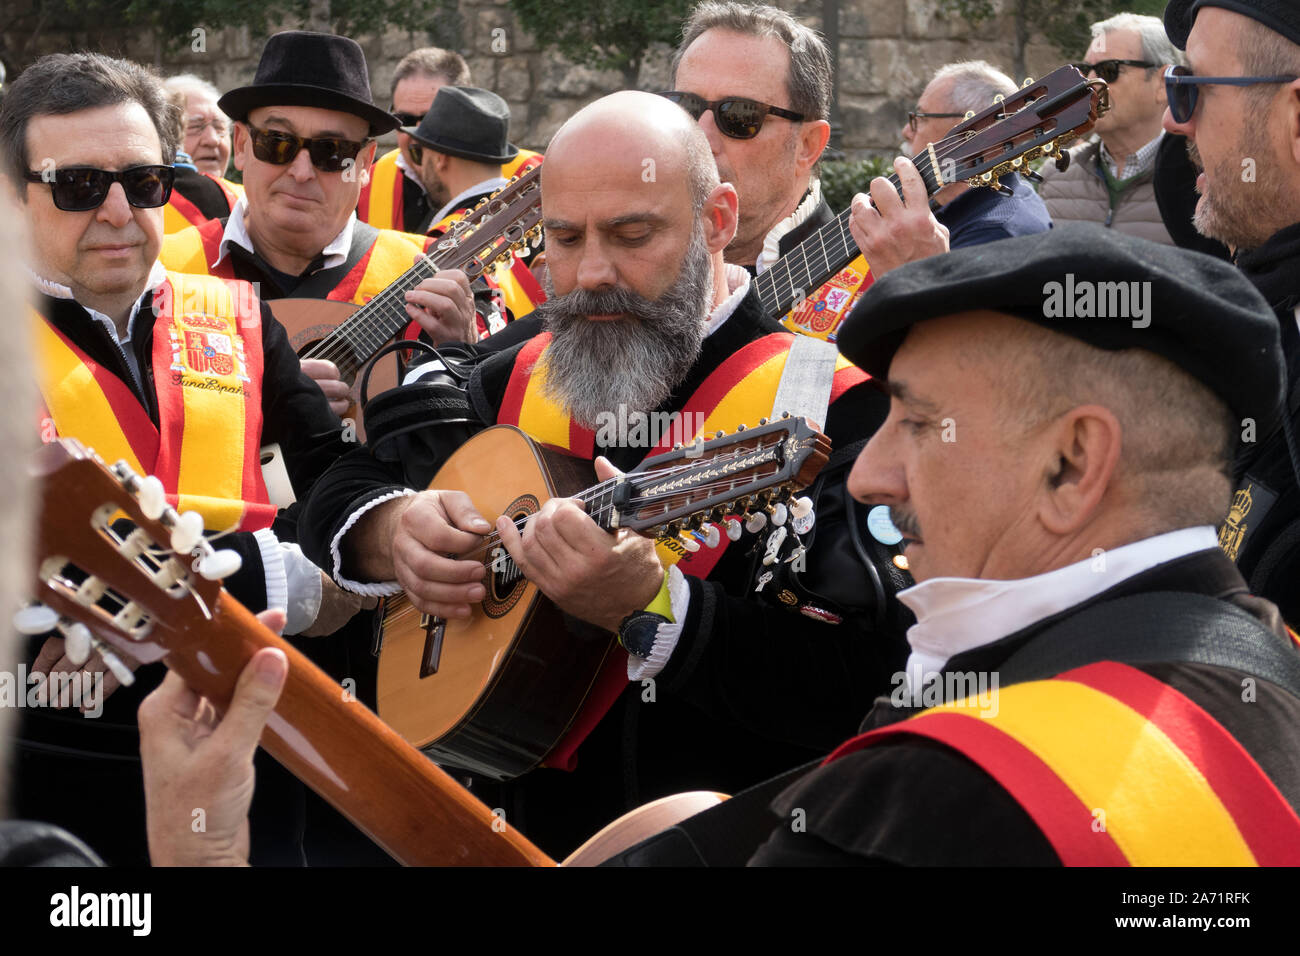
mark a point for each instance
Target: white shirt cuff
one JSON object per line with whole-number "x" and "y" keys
{"x": 277, "y": 583}
{"x": 304, "y": 586}
{"x": 667, "y": 635}
{"x": 372, "y": 589}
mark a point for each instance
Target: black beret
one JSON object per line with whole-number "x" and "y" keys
{"x": 1281, "y": 16}
{"x": 1105, "y": 288}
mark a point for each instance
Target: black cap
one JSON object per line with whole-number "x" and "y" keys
{"x": 299, "y": 68}
{"x": 468, "y": 122}
{"x": 1197, "y": 311}
{"x": 1281, "y": 16}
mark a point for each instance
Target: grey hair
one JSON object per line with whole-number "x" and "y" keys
{"x": 1156, "y": 46}
{"x": 701, "y": 170}
{"x": 62, "y": 83}
{"x": 433, "y": 62}
{"x": 974, "y": 84}
{"x": 808, "y": 84}
{"x": 183, "y": 83}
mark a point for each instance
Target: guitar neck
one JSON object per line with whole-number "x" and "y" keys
{"x": 809, "y": 265}
{"x": 338, "y": 747}
{"x": 366, "y": 331}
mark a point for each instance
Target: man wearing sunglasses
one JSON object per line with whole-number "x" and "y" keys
{"x": 759, "y": 83}
{"x": 1238, "y": 102}
{"x": 1110, "y": 178}
{"x": 184, "y": 376}
{"x": 304, "y": 139}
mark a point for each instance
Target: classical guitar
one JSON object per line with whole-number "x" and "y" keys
{"x": 495, "y": 692}
{"x": 153, "y": 594}
{"x": 349, "y": 335}
{"x": 1036, "y": 121}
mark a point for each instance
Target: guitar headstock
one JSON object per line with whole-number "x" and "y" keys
{"x": 1035, "y": 121}
{"x": 145, "y": 591}
{"x": 507, "y": 221}
{"x": 727, "y": 476}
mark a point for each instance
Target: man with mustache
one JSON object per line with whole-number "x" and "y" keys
{"x": 644, "y": 312}
{"x": 1090, "y": 681}
{"x": 1238, "y": 102}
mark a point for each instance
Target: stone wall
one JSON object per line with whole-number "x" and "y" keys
{"x": 887, "y": 50}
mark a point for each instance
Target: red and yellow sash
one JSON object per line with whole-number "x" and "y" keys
{"x": 380, "y": 202}
{"x": 207, "y": 370}
{"x": 1117, "y": 769}
{"x": 821, "y": 313}
{"x": 180, "y": 213}
{"x": 525, "y": 161}
{"x": 192, "y": 250}
{"x": 739, "y": 391}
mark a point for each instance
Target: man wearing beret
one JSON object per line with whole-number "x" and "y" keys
{"x": 305, "y": 139}
{"x": 1238, "y": 102}
{"x": 1090, "y": 681}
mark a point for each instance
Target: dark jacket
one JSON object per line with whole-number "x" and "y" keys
{"x": 982, "y": 215}
{"x": 752, "y": 687}
{"x": 1269, "y": 555}
{"x": 916, "y": 802}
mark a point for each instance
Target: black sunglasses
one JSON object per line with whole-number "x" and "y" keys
{"x": 1182, "y": 88}
{"x": 735, "y": 116}
{"x": 1108, "y": 70}
{"x": 328, "y": 154}
{"x": 914, "y": 115}
{"x": 408, "y": 119}
{"x": 79, "y": 188}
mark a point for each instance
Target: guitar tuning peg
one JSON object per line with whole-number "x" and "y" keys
{"x": 187, "y": 532}
{"x": 1002, "y": 189}
{"x": 124, "y": 675}
{"x": 756, "y": 522}
{"x": 712, "y": 536}
{"x": 779, "y": 514}
{"x": 1062, "y": 162}
{"x": 35, "y": 619}
{"x": 220, "y": 564}
{"x": 152, "y": 497}
{"x": 77, "y": 642}
{"x": 1032, "y": 176}
{"x": 734, "y": 529}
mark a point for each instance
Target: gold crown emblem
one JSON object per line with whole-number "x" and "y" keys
{"x": 1241, "y": 505}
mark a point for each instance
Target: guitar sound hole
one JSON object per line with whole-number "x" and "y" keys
{"x": 505, "y": 582}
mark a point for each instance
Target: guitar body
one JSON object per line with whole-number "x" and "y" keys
{"x": 308, "y": 321}
{"x": 467, "y": 691}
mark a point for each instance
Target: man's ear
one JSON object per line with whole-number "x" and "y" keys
{"x": 1293, "y": 120}
{"x": 1162, "y": 95}
{"x": 1083, "y": 448}
{"x": 720, "y": 212}
{"x": 813, "y": 137}
{"x": 238, "y": 142}
{"x": 366, "y": 160}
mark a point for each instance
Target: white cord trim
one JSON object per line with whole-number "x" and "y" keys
{"x": 667, "y": 635}
{"x": 372, "y": 589}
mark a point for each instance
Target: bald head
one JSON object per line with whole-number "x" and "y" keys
{"x": 654, "y": 137}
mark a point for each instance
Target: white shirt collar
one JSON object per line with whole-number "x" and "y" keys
{"x": 737, "y": 285}
{"x": 408, "y": 172}
{"x": 772, "y": 244}
{"x": 488, "y": 185}
{"x": 958, "y": 614}
{"x": 336, "y": 253}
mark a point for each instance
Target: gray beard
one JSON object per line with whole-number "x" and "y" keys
{"x": 635, "y": 362}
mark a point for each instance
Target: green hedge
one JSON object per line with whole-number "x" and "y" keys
{"x": 842, "y": 179}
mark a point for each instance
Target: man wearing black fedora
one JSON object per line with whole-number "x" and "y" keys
{"x": 304, "y": 139}
{"x": 462, "y": 145}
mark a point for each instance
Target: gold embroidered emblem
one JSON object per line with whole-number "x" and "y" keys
{"x": 1234, "y": 528}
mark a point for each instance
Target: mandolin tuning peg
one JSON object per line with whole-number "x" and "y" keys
{"x": 756, "y": 522}
{"x": 712, "y": 536}
{"x": 152, "y": 497}
{"x": 734, "y": 529}
{"x": 220, "y": 564}
{"x": 35, "y": 619}
{"x": 801, "y": 507}
{"x": 673, "y": 529}
{"x": 779, "y": 514}
{"x": 689, "y": 542}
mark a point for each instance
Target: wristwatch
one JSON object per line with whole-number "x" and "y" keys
{"x": 637, "y": 632}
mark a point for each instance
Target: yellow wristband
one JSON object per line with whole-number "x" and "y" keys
{"x": 662, "y": 603}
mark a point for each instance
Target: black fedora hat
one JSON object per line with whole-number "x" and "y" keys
{"x": 468, "y": 122}
{"x": 299, "y": 68}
